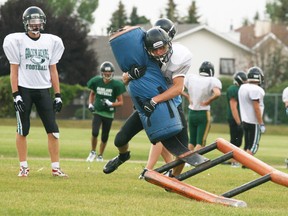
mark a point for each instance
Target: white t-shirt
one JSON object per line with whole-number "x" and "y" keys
{"x": 200, "y": 88}
{"x": 178, "y": 65}
{"x": 285, "y": 95}
{"x": 247, "y": 94}
{"x": 33, "y": 58}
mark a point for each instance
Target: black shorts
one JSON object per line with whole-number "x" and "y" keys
{"x": 44, "y": 105}
{"x": 106, "y": 127}
{"x": 252, "y": 137}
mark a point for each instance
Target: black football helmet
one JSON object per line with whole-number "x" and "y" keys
{"x": 107, "y": 70}
{"x": 255, "y": 74}
{"x": 240, "y": 78}
{"x": 156, "y": 38}
{"x": 167, "y": 25}
{"x": 206, "y": 69}
{"x": 34, "y": 16}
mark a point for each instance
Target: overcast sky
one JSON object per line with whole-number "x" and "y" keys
{"x": 219, "y": 14}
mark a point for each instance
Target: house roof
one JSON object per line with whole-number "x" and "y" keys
{"x": 249, "y": 37}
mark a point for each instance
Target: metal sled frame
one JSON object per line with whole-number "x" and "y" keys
{"x": 267, "y": 173}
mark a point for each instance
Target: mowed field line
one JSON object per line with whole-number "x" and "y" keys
{"x": 159, "y": 163}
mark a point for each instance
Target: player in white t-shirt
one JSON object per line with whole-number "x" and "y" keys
{"x": 33, "y": 57}
{"x": 251, "y": 101}
{"x": 285, "y": 99}
{"x": 203, "y": 89}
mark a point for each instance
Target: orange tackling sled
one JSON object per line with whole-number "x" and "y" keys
{"x": 229, "y": 150}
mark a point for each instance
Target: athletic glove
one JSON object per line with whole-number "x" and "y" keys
{"x": 18, "y": 102}
{"x": 57, "y": 104}
{"x": 107, "y": 102}
{"x": 91, "y": 108}
{"x": 286, "y": 110}
{"x": 240, "y": 126}
{"x": 262, "y": 128}
{"x": 149, "y": 106}
{"x": 136, "y": 72}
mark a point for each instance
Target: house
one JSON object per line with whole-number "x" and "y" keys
{"x": 268, "y": 41}
{"x": 223, "y": 50}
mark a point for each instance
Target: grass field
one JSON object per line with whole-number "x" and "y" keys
{"x": 88, "y": 191}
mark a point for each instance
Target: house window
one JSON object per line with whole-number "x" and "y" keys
{"x": 227, "y": 66}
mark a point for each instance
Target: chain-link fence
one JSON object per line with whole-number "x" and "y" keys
{"x": 274, "y": 112}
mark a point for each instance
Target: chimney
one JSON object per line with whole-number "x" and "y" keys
{"x": 262, "y": 28}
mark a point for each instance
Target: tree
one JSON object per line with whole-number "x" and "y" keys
{"x": 278, "y": 11}
{"x": 274, "y": 63}
{"x": 171, "y": 11}
{"x": 118, "y": 19}
{"x": 135, "y": 19}
{"x": 78, "y": 63}
{"x": 192, "y": 14}
{"x": 82, "y": 8}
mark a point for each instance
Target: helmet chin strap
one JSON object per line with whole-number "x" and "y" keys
{"x": 35, "y": 32}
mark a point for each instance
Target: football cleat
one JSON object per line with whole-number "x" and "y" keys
{"x": 113, "y": 164}
{"x": 91, "y": 157}
{"x": 24, "y": 171}
{"x": 99, "y": 158}
{"x": 58, "y": 172}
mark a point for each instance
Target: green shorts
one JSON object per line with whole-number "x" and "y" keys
{"x": 199, "y": 122}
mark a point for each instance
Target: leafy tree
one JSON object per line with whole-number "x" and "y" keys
{"x": 171, "y": 11}
{"x": 278, "y": 10}
{"x": 118, "y": 19}
{"x": 192, "y": 14}
{"x": 245, "y": 21}
{"x": 257, "y": 16}
{"x": 77, "y": 64}
{"x": 274, "y": 65}
{"x": 135, "y": 19}
{"x": 82, "y": 8}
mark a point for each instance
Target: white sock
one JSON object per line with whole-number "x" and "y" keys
{"x": 55, "y": 165}
{"x": 24, "y": 164}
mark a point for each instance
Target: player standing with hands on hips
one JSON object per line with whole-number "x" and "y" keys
{"x": 33, "y": 57}
{"x": 202, "y": 89}
{"x": 105, "y": 95}
{"x": 251, "y": 101}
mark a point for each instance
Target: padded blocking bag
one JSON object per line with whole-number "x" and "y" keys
{"x": 128, "y": 48}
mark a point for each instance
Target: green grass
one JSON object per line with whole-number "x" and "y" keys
{"x": 88, "y": 191}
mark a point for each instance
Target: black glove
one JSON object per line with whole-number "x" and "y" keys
{"x": 18, "y": 102}
{"x": 149, "y": 106}
{"x": 240, "y": 126}
{"x": 136, "y": 72}
{"x": 91, "y": 108}
{"x": 57, "y": 104}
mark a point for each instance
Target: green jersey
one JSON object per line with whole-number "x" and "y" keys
{"x": 232, "y": 92}
{"x": 110, "y": 91}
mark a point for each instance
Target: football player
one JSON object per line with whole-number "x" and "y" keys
{"x": 174, "y": 61}
{"x": 251, "y": 101}
{"x": 105, "y": 95}
{"x": 33, "y": 57}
